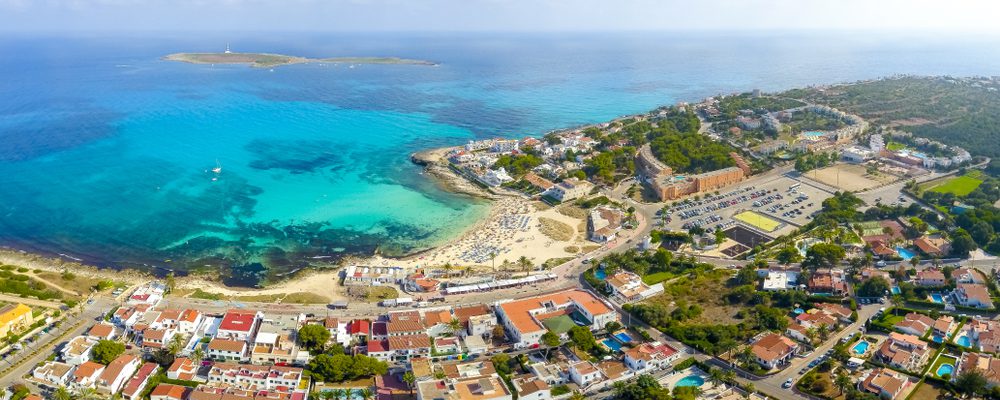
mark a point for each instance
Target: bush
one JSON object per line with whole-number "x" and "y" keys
{"x": 560, "y": 390}
{"x": 22, "y": 270}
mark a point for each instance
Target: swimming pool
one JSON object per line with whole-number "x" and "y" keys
{"x": 937, "y": 298}
{"x": 600, "y": 274}
{"x": 963, "y": 341}
{"x": 623, "y": 337}
{"x": 691, "y": 380}
{"x": 904, "y": 253}
{"x": 813, "y": 134}
{"x": 945, "y": 369}
{"x": 861, "y": 347}
{"x": 798, "y": 311}
{"x": 613, "y": 345}
{"x": 895, "y": 290}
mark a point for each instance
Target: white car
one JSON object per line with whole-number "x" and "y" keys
{"x": 787, "y": 383}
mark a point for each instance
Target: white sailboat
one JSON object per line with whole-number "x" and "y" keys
{"x": 218, "y": 167}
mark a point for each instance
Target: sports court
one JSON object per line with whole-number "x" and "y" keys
{"x": 758, "y": 221}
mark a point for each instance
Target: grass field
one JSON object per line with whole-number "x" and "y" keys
{"x": 759, "y": 221}
{"x": 959, "y": 185}
{"x": 560, "y": 324}
{"x": 656, "y": 277}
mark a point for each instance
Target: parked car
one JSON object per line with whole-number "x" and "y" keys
{"x": 787, "y": 383}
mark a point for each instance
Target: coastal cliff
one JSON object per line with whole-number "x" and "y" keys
{"x": 436, "y": 166}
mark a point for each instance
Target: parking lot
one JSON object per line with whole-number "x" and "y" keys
{"x": 782, "y": 198}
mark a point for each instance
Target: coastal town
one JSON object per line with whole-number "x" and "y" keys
{"x": 749, "y": 245}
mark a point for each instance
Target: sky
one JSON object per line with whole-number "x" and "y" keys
{"x": 498, "y": 15}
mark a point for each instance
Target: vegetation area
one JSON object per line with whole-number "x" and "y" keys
{"x": 556, "y": 230}
{"x": 518, "y": 165}
{"x": 957, "y": 185}
{"x": 810, "y": 161}
{"x": 803, "y": 121}
{"x": 730, "y": 106}
{"x": 949, "y": 110}
{"x": 977, "y": 225}
{"x": 690, "y": 152}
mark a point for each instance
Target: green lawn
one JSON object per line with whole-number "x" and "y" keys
{"x": 943, "y": 359}
{"x": 959, "y": 185}
{"x": 894, "y": 146}
{"x": 656, "y": 277}
{"x": 560, "y": 324}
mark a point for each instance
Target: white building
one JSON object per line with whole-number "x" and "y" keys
{"x": 584, "y": 373}
{"x": 630, "y": 287}
{"x": 650, "y": 356}
{"x": 117, "y": 373}
{"x": 496, "y": 177}
{"x": 257, "y": 377}
{"x": 360, "y": 275}
{"x": 569, "y": 189}
{"x": 522, "y": 319}
{"x": 54, "y": 373}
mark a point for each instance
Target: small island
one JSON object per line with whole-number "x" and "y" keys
{"x": 267, "y": 60}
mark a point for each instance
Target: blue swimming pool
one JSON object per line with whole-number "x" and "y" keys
{"x": 798, "y": 311}
{"x": 963, "y": 341}
{"x": 691, "y": 380}
{"x": 613, "y": 345}
{"x": 623, "y": 337}
{"x": 861, "y": 347}
{"x": 895, "y": 290}
{"x": 937, "y": 298}
{"x": 938, "y": 339}
{"x": 600, "y": 274}
{"x": 945, "y": 369}
{"x": 905, "y": 253}
{"x": 813, "y": 134}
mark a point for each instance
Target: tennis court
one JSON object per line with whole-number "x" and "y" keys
{"x": 559, "y": 324}
{"x": 758, "y": 221}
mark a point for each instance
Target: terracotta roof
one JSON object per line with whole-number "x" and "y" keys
{"x": 518, "y": 311}
{"x": 409, "y": 342}
{"x": 101, "y": 330}
{"x": 405, "y": 326}
{"x": 359, "y": 327}
{"x": 87, "y": 369}
{"x": 232, "y": 346}
{"x": 170, "y": 391}
{"x": 117, "y": 366}
{"x": 432, "y": 318}
{"x": 773, "y": 347}
{"x": 139, "y": 380}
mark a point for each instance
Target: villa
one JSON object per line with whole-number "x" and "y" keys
{"x": 531, "y": 388}
{"x": 934, "y": 246}
{"x": 239, "y": 324}
{"x": 774, "y": 350}
{"x": 915, "y": 324}
{"x": 584, "y": 373}
{"x": 973, "y": 295}
{"x": 135, "y": 386}
{"x": 630, "y": 287}
{"x": 650, "y": 356}
{"x": 523, "y": 319}
{"x": 117, "y": 373}
{"x": 985, "y": 364}
{"x": 826, "y": 280}
{"x": 477, "y": 319}
{"x": 569, "y": 189}
{"x": 604, "y": 223}
{"x": 844, "y": 314}
{"x": 885, "y": 383}
{"x": 77, "y": 350}
{"x": 903, "y": 351}
{"x": 968, "y": 275}
{"x": 778, "y": 279}
{"x": 930, "y": 277}
{"x": 944, "y": 326}
{"x": 53, "y": 372}
{"x": 14, "y": 318}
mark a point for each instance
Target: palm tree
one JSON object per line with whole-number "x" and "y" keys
{"x": 619, "y": 388}
{"x": 61, "y": 393}
{"x": 746, "y": 356}
{"x": 525, "y": 264}
{"x": 506, "y": 265}
{"x": 447, "y": 267}
{"x": 329, "y": 394}
{"x": 366, "y": 394}
{"x": 715, "y": 376}
{"x": 842, "y": 381}
{"x": 176, "y": 345}
{"x": 729, "y": 376}
{"x": 342, "y": 394}
{"x": 410, "y": 380}
{"x": 897, "y": 301}
{"x": 750, "y": 389}
{"x": 87, "y": 393}
{"x": 198, "y": 354}
{"x": 454, "y": 325}
{"x": 493, "y": 258}
{"x": 578, "y": 396}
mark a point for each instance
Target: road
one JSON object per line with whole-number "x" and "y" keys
{"x": 72, "y": 325}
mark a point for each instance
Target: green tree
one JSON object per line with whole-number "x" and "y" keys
{"x": 550, "y": 340}
{"x": 410, "y": 380}
{"x": 525, "y": 264}
{"x": 455, "y": 326}
{"x": 106, "y": 351}
{"x": 971, "y": 383}
{"x": 313, "y": 337}
{"x": 788, "y": 255}
{"x": 366, "y": 394}
{"x": 824, "y": 255}
{"x": 61, "y": 393}
{"x": 582, "y": 338}
{"x": 874, "y": 287}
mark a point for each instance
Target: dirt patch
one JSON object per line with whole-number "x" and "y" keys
{"x": 571, "y": 210}
{"x": 556, "y": 230}
{"x": 850, "y": 177}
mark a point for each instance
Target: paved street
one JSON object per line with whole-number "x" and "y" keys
{"x": 76, "y": 324}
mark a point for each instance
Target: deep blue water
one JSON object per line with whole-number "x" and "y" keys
{"x": 105, "y": 150}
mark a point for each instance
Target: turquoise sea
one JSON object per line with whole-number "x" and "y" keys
{"x": 106, "y": 151}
